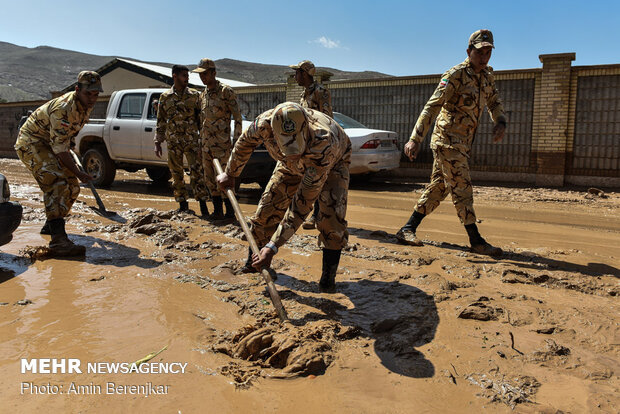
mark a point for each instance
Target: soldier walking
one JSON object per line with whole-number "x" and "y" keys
{"x": 459, "y": 99}
{"x": 178, "y": 117}
{"x": 44, "y": 144}
{"x": 313, "y": 154}
{"x": 218, "y": 103}
{"x": 314, "y": 96}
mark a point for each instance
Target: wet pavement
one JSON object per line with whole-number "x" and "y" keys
{"x": 411, "y": 329}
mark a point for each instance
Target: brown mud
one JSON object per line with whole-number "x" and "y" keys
{"x": 410, "y": 329}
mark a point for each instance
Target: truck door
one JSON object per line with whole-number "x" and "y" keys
{"x": 148, "y": 132}
{"x": 126, "y": 126}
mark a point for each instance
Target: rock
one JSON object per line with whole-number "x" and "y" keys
{"x": 597, "y": 192}
{"x": 142, "y": 220}
{"x": 481, "y": 312}
{"x": 150, "y": 229}
{"x": 97, "y": 279}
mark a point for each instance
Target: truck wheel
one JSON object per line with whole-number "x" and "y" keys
{"x": 100, "y": 166}
{"x": 158, "y": 174}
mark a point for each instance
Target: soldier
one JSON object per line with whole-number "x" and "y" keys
{"x": 314, "y": 96}
{"x": 313, "y": 154}
{"x": 459, "y": 99}
{"x": 218, "y": 102}
{"x": 44, "y": 144}
{"x": 23, "y": 120}
{"x": 178, "y": 117}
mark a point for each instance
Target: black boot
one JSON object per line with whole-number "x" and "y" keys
{"x": 230, "y": 211}
{"x": 406, "y": 234}
{"x": 60, "y": 245}
{"x": 204, "y": 210}
{"x": 218, "y": 212}
{"x": 478, "y": 244}
{"x": 247, "y": 267}
{"x": 183, "y": 206}
{"x": 331, "y": 258}
{"x": 46, "y": 228}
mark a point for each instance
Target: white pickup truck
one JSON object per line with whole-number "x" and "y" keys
{"x": 124, "y": 140}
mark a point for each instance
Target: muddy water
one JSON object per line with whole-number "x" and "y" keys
{"x": 430, "y": 329}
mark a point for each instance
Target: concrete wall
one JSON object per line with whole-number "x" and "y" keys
{"x": 563, "y": 121}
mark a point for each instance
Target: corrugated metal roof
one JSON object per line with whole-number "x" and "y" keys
{"x": 194, "y": 78}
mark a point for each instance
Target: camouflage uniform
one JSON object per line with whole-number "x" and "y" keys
{"x": 50, "y": 130}
{"x": 322, "y": 172}
{"x": 317, "y": 97}
{"x": 457, "y": 103}
{"x": 217, "y": 106}
{"x": 178, "y": 125}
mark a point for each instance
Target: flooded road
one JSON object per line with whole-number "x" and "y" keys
{"x": 411, "y": 329}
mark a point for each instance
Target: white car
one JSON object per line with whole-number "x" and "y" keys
{"x": 373, "y": 150}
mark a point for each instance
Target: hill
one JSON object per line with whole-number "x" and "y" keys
{"x": 31, "y": 73}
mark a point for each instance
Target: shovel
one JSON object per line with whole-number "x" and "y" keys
{"x": 101, "y": 210}
{"x": 267, "y": 272}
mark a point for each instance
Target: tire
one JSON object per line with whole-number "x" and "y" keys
{"x": 10, "y": 218}
{"x": 159, "y": 174}
{"x": 98, "y": 164}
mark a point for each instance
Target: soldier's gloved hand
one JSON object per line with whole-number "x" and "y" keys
{"x": 225, "y": 181}
{"x": 158, "y": 150}
{"x": 263, "y": 259}
{"x": 498, "y": 131}
{"x": 83, "y": 177}
{"x": 412, "y": 149}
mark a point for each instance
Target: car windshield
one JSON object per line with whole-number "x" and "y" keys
{"x": 347, "y": 122}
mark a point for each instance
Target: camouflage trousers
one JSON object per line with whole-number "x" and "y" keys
{"x": 332, "y": 200}
{"x": 176, "y": 150}
{"x": 450, "y": 175}
{"x": 59, "y": 185}
{"x": 210, "y": 151}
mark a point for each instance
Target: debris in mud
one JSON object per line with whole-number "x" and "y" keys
{"x": 596, "y": 192}
{"x": 97, "y": 279}
{"x": 34, "y": 253}
{"x": 519, "y": 276}
{"x": 511, "y": 392}
{"x": 4, "y": 303}
{"x": 551, "y": 350}
{"x": 206, "y": 281}
{"x": 283, "y": 351}
{"x": 23, "y": 302}
{"x": 152, "y": 228}
{"x": 481, "y": 311}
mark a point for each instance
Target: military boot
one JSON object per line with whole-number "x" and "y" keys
{"x": 406, "y": 235}
{"x": 331, "y": 258}
{"x": 310, "y": 223}
{"x": 60, "y": 245}
{"x": 478, "y": 244}
{"x": 46, "y": 228}
{"x": 218, "y": 211}
{"x": 183, "y": 206}
{"x": 230, "y": 211}
{"x": 204, "y": 210}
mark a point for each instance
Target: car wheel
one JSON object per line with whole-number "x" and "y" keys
{"x": 98, "y": 164}
{"x": 158, "y": 174}
{"x": 10, "y": 218}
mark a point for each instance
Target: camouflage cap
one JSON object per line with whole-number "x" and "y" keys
{"x": 481, "y": 38}
{"x": 204, "y": 65}
{"x": 90, "y": 80}
{"x": 290, "y": 128}
{"x": 306, "y": 66}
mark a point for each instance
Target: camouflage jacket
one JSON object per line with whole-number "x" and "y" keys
{"x": 327, "y": 145}
{"x": 56, "y": 123}
{"x": 178, "y": 116}
{"x": 317, "y": 97}
{"x": 457, "y": 104}
{"x": 217, "y": 106}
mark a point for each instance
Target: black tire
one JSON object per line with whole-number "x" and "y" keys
{"x": 159, "y": 174}
{"x": 10, "y": 218}
{"x": 98, "y": 164}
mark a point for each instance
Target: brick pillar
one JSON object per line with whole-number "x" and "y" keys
{"x": 551, "y": 114}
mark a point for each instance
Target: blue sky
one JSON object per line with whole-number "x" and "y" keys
{"x": 394, "y": 37}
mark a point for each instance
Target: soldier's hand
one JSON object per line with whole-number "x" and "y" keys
{"x": 225, "y": 181}
{"x": 158, "y": 150}
{"x": 498, "y": 132}
{"x": 263, "y": 259}
{"x": 83, "y": 177}
{"x": 412, "y": 149}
